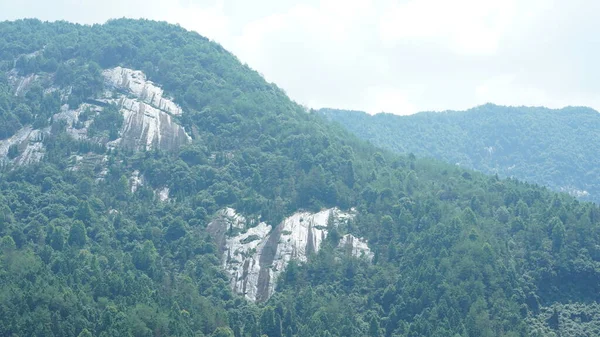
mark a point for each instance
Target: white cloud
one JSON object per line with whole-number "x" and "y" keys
{"x": 331, "y": 20}
{"x": 316, "y": 52}
{"x": 207, "y": 19}
{"x": 386, "y": 99}
{"x": 493, "y": 85}
{"x": 506, "y": 90}
{"x": 465, "y": 26}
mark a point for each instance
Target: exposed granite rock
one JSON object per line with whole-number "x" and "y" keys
{"x": 135, "y": 181}
{"x": 21, "y": 83}
{"x": 135, "y": 82}
{"x": 225, "y": 221}
{"x": 146, "y": 127}
{"x": 29, "y": 144}
{"x": 163, "y": 194}
{"x": 148, "y": 121}
{"x": 255, "y": 256}
{"x": 71, "y": 117}
{"x": 355, "y": 247}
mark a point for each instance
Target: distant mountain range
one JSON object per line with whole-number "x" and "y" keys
{"x": 556, "y": 148}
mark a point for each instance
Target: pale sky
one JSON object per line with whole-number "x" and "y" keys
{"x": 398, "y": 56}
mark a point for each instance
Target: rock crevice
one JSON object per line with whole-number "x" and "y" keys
{"x": 255, "y": 255}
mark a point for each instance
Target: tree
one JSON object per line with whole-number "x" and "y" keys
{"x": 223, "y": 332}
{"x": 348, "y": 175}
{"x": 13, "y": 151}
{"x": 558, "y": 233}
{"x": 387, "y": 224}
{"x": 333, "y": 235}
{"x": 57, "y": 239}
{"x": 469, "y": 217}
{"x": 7, "y": 245}
{"x": 23, "y": 112}
{"x": 77, "y": 234}
{"x": 478, "y": 321}
{"x": 374, "y": 327}
{"x": 144, "y": 255}
{"x": 85, "y": 187}
{"x": 176, "y": 230}
{"x": 502, "y": 214}
{"x": 270, "y": 323}
{"x": 84, "y": 213}
{"x": 122, "y": 190}
{"x": 388, "y": 298}
{"x": 85, "y": 333}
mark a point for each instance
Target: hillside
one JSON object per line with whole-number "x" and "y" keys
{"x": 152, "y": 185}
{"x": 555, "y": 148}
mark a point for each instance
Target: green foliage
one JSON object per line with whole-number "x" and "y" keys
{"x": 77, "y": 234}
{"x": 223, "y": 332}
{"x": 85, "y": 333}
{"x": 555, "y": 148}
{"x": 456, "y": 252}
{"x": 13, "y": 151}
{"x": 109, "y": 121}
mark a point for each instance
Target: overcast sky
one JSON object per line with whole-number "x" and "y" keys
{"x": 393, "y": 56}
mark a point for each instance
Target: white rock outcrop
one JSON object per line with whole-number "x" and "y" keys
{"x": 242, "y": 260}
{"x": 355, "y": 247}
{"x": 163, "y": 194}
{"x": 135, "y": 82}
{"x": 28, "y": 143}
{"x": 135, "y": 181}
{"x": 71, "y": 117}
{"x": 575, "y": 192}
{"x": 146, "y": 127}
{"x": 22, "y": 83}
{"x": 255, "y": 255}
{"x": 148, "y": 116}
{"x": 148, "y": 121}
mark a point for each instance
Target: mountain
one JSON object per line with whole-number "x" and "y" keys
{"x": 152, "y": 185}
{"x": 555, "y": 148}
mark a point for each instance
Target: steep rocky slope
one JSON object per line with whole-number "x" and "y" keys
{"x": 148, "y": 116}
{"x": 254, "y": 255}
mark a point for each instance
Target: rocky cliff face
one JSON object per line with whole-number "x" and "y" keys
{"x": 29, "y": 143}
{"x": 146, "y": 127}
{"x": 255, "y": 254}
{"x": 147, "y": 112}
{"x": 134, "y": 82}
{"x": 148, "y": 116}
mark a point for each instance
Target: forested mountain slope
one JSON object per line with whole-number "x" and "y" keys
{"x": 555, "y": 148}
{"x": 152, "y": 185}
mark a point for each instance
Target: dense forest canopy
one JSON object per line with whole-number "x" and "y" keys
{"x": 555, "y": 148}
{"x": 457, "y": 253}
